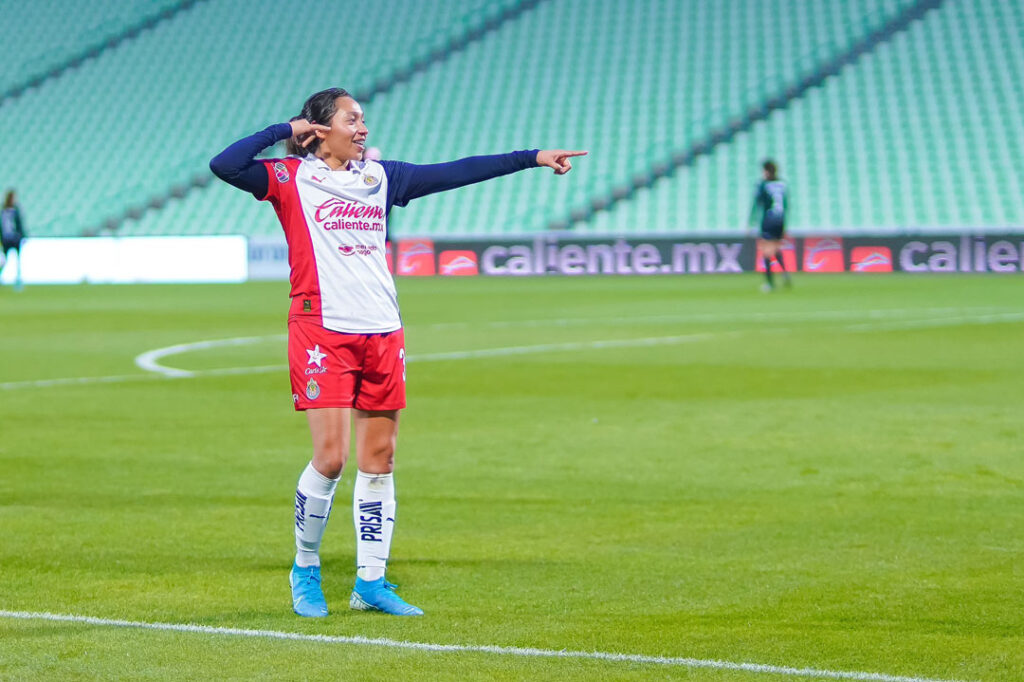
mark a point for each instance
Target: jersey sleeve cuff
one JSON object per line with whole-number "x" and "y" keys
{"x": 528, "y": 158}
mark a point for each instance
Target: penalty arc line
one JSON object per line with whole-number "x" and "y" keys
{"x": 384, "y": 642}
{"x": 148, "y": 360}
{"x": 158, "y": 371}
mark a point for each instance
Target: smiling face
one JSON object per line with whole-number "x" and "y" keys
{"x": 346, "y": 140}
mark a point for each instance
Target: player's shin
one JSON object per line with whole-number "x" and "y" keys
{"x": 768, "y": 270}
{"x": 782, "y": 267}
{"x": 373, "y": 510}
{"x": 313, "y": 497}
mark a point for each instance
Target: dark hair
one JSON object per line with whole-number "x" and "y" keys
{"x": 9, "y": 199}
{"x": 771, "y": 169}
{"x": 319, "y": 108}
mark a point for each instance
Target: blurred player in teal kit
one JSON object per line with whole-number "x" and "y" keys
{"x": 12, "y": 233}
{"x": 770, "y": 198}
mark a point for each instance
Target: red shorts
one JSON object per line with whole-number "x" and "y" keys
{"x": 332, "y": 369}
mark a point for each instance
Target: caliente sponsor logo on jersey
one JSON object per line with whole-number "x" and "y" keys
{"x": 343, "y": 214}
{"x": 341, "y": 208}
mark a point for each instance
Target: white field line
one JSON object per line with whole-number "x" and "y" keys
{"x": 568, "y": 346}
{"x": 149, "y": 360}
{"x": 676, "y": 661}
{"x": 751, "y": 316}
{"x": 126, "y": 378}
{"x": 994, "y": 318}
{"x": 157, "y": 371}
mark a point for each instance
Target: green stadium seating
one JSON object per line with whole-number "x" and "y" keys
{"x": 629, "y": 82}
{"x": 921, "y": 132}
{"x": 147, "y": 115}
{"x": 43, "y": 34}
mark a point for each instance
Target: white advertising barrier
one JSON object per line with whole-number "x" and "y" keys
{"x": 268, "y": 258}
{"x": 136, "y": 260}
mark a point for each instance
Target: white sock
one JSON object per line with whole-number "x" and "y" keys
{"x": 373, "y": 510}
{"x": 313, "y": 498}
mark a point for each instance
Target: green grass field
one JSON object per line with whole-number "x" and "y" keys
{"x": 827, "y": 478}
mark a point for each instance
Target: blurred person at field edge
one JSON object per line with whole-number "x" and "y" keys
{"x": 771, "y": 200}
{"x": 12, "y": 233}
{"x": 346, "y": 344}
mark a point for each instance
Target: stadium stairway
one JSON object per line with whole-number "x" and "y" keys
{"x": 728, "y": 127}
{"x": 676, "y": 99}
{"x": 476, "y": 95}
{"x": 628, "y": 80}
{"x": 916, "y": 136}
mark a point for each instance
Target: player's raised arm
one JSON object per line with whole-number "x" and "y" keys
{"x": 237, "y": 164}
{"x": 410, "y": 181}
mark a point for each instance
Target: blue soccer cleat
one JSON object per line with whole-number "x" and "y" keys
{"x": 379, "y": 595}
{"x": 307, "y": 595}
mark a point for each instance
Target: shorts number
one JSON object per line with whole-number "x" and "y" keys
{"x": 401, "y": 356}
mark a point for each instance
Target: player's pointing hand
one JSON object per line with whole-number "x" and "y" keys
{"x": 305, "y": 132}
{"x": 557, "y": 159}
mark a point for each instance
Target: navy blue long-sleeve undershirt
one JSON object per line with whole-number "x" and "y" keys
{"x": 237, "y": 166}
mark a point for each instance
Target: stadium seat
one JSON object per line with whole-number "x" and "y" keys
{"x": 44, "y": 34}
{"x": 150, "y": 112}
{"x": 880, "y": 146}
{"x": 915, "y": 135}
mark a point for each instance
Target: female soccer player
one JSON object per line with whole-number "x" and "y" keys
{"x": 346, "y": 345}
{"x": 770, "y": 197}
{"x": 12, "y": 233}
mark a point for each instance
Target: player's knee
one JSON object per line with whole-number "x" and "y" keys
{"x": 329, "y": 455}
{"x": 380, "y": 457}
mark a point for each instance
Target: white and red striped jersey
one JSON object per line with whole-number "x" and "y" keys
{"x": 335, "y": 225}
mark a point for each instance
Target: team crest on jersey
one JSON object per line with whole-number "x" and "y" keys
{"x": 369, "y": 180}
{"x": 312, "y": 389}
{"x": 281, "y": 171}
